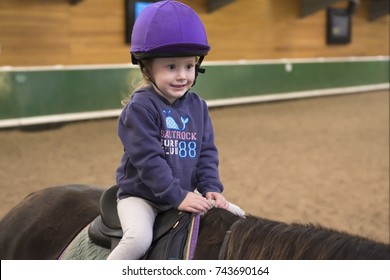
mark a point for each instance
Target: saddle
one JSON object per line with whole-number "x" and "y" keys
{"x": 174, "y": 233}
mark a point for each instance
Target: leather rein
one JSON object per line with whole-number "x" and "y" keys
{"x": 226, "y": 239}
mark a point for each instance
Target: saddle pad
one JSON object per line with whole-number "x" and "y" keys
{"x": 175, "y": 235}
{"x": 82, "y": 248}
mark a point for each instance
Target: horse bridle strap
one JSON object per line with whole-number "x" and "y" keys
{"x": 222, "y": 251}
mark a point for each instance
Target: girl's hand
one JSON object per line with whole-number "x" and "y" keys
{"x": 194, "y": 203}
{"x": 220, "y": 201}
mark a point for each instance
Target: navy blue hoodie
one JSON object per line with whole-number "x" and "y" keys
{"x": 169, "y": 149}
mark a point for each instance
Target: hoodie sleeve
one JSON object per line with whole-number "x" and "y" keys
{"x": 207, "y": 169}
{"x": 139, "y": 132}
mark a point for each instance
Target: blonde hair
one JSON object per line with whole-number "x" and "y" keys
{"x": 144, "y": 82}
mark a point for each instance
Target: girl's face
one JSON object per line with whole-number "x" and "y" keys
{"x": 173, "y": 76}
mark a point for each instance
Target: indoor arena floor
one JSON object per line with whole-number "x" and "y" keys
{"x": 320, "y": 160}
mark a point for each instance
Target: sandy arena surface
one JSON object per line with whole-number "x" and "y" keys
{"x": 319, "y": 160}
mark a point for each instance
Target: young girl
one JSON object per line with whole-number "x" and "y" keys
{"x": 165, "y": 129}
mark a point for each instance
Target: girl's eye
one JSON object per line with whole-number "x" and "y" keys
{"x": 190, "y": 66}
{"x": 171, "y": 66}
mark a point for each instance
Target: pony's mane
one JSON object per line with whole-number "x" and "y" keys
{"x": 259, "y": 238}
{"x": 213, "y": 227}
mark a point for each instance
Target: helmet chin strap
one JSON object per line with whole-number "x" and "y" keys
{"x": 198, "y": 69}
{"x": 155, "y": 85}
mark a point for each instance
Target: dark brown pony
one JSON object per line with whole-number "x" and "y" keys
{"x": 42, "y": 224}
{"x": 45, "y": 222}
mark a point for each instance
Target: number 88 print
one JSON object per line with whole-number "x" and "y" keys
{"x": 186, "y": 150}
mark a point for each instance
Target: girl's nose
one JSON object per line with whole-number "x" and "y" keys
{"x": 181, "y": 73}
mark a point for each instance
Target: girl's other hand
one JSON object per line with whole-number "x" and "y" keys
{"x": 220, "y": 201}
{"x": 194, "y": 203}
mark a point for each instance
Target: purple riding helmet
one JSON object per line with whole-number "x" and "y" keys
{"x": 168, "y": 29}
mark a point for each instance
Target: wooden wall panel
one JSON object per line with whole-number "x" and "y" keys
{"x": 34, "y": 32}
{"x": 97, "y": 32}
{"x": 49, "y": 32}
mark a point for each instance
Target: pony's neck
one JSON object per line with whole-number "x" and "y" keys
{"x": 213, "y": 227}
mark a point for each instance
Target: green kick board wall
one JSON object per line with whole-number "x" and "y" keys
{"x": 51, "y": 92}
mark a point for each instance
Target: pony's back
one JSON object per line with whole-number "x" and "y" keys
{"x": 42, "y": 225}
